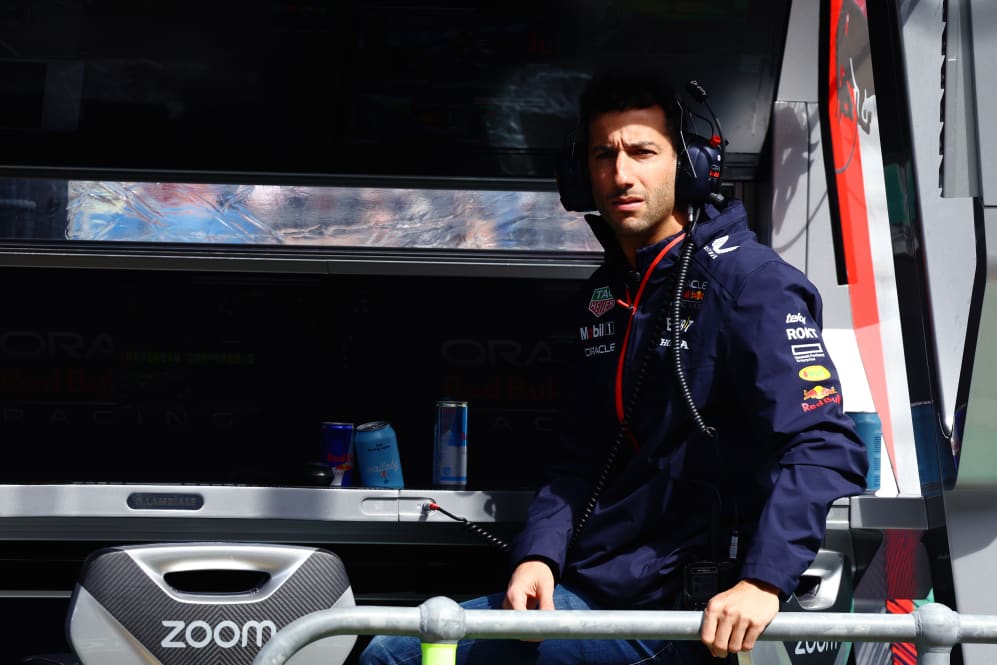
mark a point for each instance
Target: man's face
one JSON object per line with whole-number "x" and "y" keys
{"x": 632, "y": 164}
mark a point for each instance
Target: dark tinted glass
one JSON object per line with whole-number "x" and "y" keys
{"x": 289, "y": 90}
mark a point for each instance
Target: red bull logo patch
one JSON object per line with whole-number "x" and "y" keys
{"x": 693, "y": 295}
{"x": 830, "y": 399}
{"x": 601, "y": 301}
{"x": 819, "y": 392}
{"x": 822, "y": 395}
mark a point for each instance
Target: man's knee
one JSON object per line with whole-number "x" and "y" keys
{"x": 391, "y": 650}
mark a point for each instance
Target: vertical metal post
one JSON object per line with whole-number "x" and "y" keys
{"x": 441, "y": 625}
{"x": 439, "y": 653}
{"x": 937, "y": 629}
{"x": 931, "y": 656}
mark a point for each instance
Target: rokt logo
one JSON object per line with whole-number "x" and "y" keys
{"x": 227, "y": 634}
{"x": 801, "y": 333}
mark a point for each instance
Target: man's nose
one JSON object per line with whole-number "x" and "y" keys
{"x": 623, "y": 172}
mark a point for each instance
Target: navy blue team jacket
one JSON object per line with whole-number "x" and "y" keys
{"x": 758, "y": 372}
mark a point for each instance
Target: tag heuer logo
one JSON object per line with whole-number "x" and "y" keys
{"x": 602, "y": 301}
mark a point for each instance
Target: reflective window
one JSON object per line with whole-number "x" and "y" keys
{"x": 341, "y": 216}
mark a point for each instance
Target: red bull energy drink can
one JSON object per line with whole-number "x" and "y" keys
{"x": 450, "y": 445}
{"x": 377, "y": 455}
{"x": 337, "y": 451}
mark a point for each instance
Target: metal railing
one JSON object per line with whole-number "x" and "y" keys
{"x": 440, "y": 621}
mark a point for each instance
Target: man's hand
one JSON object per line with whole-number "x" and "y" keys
{"x": 735, "y": 618}
{"x": 530, "y": 587}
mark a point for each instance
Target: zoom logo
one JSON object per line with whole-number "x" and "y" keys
{"x": 227, "y": 634}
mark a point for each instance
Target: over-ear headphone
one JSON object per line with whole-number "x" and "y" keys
{"x": 697, "y": 177}
{"x": 572, "y": 172}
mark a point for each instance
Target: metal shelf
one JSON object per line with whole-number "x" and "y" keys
{"x": 114, "y": 511}
{"x": 110, "y": 511}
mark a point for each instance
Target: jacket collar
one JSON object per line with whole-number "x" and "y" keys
{"x": 712, "y": 224}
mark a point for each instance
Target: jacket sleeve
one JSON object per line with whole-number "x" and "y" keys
{"x": 792, "y": 399}
{"x": 568, "y": 483}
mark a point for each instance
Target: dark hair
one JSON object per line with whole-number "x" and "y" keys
{"x": 622, "y": 89}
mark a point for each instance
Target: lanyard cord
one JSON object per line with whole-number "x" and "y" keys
{"x": 621, "y": 413}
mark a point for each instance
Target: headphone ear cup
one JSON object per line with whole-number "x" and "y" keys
{"x": 573, "y": 182}
{"x": 698, "y": 172}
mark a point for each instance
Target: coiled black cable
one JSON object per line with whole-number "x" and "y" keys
{"x": 682, "y": 267}
{"x": 472, "y": 527}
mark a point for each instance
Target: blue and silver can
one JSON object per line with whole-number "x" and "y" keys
{"x": 337, "y": 451}
{"x": 450, "y": 445}
{"x": 376, "y": 449}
